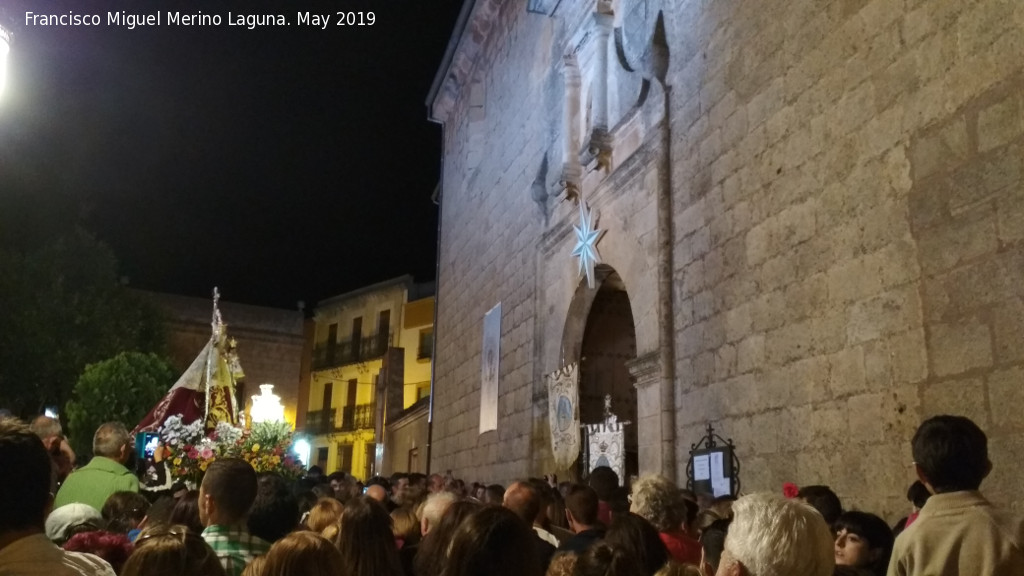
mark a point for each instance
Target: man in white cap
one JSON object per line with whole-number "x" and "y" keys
{"x": 70, "y": 519}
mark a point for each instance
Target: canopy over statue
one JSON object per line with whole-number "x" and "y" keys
{"x": 206, "y": 391}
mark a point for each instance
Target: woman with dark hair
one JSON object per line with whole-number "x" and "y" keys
{"x": 863, "y": 541}
{"x": 306, "y": 502}
{"x": 124, "y": 511}
{"x": 637, "y": 538}
{"x": 366, "y": 541}
{"x": 433, "y": 549}
{"x": 603, "y": 560}
{"x": 917, "y": 494}
{"x": 492, "y": 542}
{"x": 186, "y": 512}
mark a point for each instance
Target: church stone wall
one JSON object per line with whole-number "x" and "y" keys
{"x": 490, "y": 226}
{"x": 848, "y": 234}
{"x": 848, "y": 207}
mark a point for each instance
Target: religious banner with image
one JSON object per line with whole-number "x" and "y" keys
{"x": 606, "y": 442}
{"x": 490, "y": 358}
{"x": 564, "y": 415}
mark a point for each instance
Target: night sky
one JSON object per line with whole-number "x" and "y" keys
{"x": 280, "y": 163}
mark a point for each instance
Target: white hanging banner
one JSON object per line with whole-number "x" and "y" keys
{"x": 606, "y": 442}
{"x": 490, "y": 357}
{"x": 564, "y": 415}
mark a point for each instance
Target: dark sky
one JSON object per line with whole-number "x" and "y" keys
{"x": 281, "y": 163}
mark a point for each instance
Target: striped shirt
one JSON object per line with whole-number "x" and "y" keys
{"x": 234, "y": 546}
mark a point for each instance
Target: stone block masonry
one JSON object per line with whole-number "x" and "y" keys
{"x": 847, "y": 233}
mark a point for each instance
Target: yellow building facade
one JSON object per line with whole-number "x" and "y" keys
{"x": 366, "y": 344}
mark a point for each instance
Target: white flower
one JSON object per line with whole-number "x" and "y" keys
{"x": 226, "y": 434}
{"x": 176, "y": 434}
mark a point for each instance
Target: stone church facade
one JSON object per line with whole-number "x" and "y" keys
{"x": 813, "y": 219}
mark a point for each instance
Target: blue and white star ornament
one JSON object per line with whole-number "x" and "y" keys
{"x": 587, "y": 237}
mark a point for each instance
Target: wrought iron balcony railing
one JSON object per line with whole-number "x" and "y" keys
{"x": 358, "y": 417}
{"x": 426, "y": 349}
{"x": 351, "y": 351}
{"x": 319, "y": 422}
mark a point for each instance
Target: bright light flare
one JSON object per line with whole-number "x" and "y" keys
{"x": 302, "y": 449}
{"x": 266, "y": 406}
{"x": 5, "y": 48}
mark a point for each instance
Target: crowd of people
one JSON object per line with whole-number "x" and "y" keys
{"x": 98, "y": 520}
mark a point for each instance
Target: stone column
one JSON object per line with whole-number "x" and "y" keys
{"x": 653, "y": 443}
{"x": 571, "y": 169}
{"x": 602, "y": 29}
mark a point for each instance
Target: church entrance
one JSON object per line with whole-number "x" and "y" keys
{"x": 609, "y": 342}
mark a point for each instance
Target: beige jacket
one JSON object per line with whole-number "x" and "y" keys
{"x": 960, "y": 534}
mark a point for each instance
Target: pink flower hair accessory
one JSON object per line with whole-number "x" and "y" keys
{"x": 790, "y": 490}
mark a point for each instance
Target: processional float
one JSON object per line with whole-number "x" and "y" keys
{"x": 207, "y": 388}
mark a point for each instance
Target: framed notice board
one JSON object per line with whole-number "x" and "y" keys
{"x": 713, "y": 467}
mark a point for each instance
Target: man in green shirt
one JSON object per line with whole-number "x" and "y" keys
{"x": 105, "y": 474}
{"x": 225, "y": 497}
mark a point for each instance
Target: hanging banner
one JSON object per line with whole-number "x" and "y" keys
{"x": 606, "y": 449}
{"x": 490, "y": 354}
{"x": 564, "y": 415}
{"x": 606, "y": 442}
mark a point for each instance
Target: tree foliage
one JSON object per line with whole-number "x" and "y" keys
{"x": 123, "y": 389}
{"x": 63, "y": 307}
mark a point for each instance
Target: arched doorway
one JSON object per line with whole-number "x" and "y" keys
{"x": 608, "y": 342}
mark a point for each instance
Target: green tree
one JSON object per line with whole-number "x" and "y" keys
{"x": 123, "y": 389}
{"x": 63, "y": 307}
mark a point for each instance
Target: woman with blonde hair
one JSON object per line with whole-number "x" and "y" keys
{"x": 171, "y": 551}
{"x": 658, "y": 500}
{"x": 302, "y": 553}
{"x": 406, "y": 527}
{"x": 326, "y": 512}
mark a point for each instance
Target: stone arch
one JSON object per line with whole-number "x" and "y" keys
{"x": 600, "y": 333}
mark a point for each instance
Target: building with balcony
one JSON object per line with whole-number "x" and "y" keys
{"x": 371, "y": 352}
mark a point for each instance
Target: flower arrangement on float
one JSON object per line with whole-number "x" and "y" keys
{"x": 189, "y": 451}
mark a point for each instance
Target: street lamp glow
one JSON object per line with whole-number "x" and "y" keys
{"x": 5, "y": 47}
{"x": 302, "y": 449}
{"x": 266, "y": 406}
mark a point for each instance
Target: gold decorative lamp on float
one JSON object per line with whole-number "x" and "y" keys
{"x": 266, "y": 406}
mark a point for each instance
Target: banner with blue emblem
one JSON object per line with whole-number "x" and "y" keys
{"x": 564, "y": 415}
